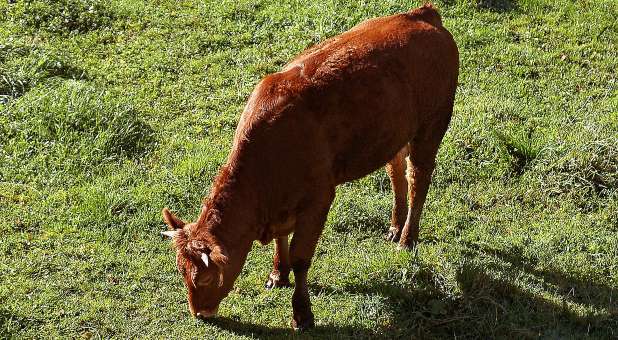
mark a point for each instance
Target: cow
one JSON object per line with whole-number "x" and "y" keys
{"x": 379, "y": 94}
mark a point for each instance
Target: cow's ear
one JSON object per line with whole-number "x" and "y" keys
{"x": 218, "y": 256}
{"x": 172, "y": 221}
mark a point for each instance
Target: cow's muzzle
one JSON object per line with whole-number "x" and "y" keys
{"x": 205, "y": 314}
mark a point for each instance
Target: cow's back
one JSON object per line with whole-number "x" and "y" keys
{"x": 343, "y": 108}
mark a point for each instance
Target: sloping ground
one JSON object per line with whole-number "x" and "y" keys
{"x": 113, "y": 109}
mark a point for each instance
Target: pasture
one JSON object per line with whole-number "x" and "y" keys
{"x": 112, "y": 109}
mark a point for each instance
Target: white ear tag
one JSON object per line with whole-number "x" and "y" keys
{"x": 205, "y": 259}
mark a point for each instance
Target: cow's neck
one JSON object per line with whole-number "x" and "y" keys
{"x": 234, "y": 210}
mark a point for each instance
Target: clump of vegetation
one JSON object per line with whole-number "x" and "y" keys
{"x": 22, "y": 67}
{"x": 586, "y": 172}
{"x": 63, "y": 16}
{"x": 73, "y": 127}
{"x": 11, "y": 87}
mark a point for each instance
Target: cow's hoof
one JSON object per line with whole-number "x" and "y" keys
{"x": 410, "y": 246}
{"x": 393, "y": 235}
{"x": 275, "y": 280}
{"x": 303, "y": 324}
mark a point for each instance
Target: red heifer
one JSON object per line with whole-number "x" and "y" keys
{"x": 379, "y": 94}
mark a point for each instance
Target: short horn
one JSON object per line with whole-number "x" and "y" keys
{"x": 169, "y": 233}
{"x": 205, "y": 259}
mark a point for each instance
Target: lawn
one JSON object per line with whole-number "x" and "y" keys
{"x": 112, "y": 109}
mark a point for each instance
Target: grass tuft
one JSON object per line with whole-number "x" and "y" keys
{"x": 521, "y": 148}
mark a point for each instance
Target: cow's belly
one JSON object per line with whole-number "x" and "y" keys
{"x": 353, "y": 166}
{"x": 372, "y": 146}
{"x": 277, "y": 229}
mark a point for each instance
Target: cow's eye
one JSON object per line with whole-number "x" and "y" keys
{"x": 204, "y": 279}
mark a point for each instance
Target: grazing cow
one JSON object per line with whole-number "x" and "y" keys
{"x": 379, "y": 94}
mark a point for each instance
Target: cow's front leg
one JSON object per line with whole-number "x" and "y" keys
{"x": 308, "y": 230}
{"x": 302, "y": 317}
{"x": 280, "y": 276}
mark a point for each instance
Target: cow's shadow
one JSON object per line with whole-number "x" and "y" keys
{"x": 320, "y": 332}
{"x": 488, "y": 304}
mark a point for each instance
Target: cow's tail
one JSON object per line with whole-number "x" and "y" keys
{"x": 429, "y": 14}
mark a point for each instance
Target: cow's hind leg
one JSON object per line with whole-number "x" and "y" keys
{"x": 420, "y": 165}
{"x": 280, "y": 276}
{"x": 396, "y": 170}
{"x": 309, "y": 226}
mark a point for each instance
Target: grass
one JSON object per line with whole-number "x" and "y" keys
{"x": 113, "y": 109}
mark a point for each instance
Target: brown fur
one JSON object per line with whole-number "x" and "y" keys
{"x": 376, "y": 94}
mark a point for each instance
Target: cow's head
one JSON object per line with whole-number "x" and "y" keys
{"x": 207, "y": 271}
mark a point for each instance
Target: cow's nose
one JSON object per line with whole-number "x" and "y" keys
{"x": 205, "y": 314}
{"x": 202, "y": 315}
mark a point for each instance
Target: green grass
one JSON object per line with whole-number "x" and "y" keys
{"x": 112, "y": 109}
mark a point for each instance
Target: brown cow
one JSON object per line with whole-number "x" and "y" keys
{"x": 374, "y": 95}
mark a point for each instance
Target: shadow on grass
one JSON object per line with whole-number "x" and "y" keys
{"x": 485, "y": 304}
{"x": 569, "y": 287}
{"x": 249, "y": 329}
{"x": 11, "y": 324}
{"x": 499, "y": 6}
{"x": 530, "y": 312}
{"x": 320, "y": 332}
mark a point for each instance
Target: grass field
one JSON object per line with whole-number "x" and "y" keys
{"x": 112, "y": 109}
